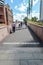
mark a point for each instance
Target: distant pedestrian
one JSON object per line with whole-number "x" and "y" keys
{"x": 13, "y": 27}
{"x": 21, "y": 24}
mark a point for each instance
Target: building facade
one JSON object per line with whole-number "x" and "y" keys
{"x": 9, "y": 14}
{"x": 2, "y": 14}
{"x": 41, "y": 10}
{"x": 6, "y": 15}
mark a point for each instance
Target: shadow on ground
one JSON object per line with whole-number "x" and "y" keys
{"x": 35, "y": 37}
{"x": 32, "y": 43}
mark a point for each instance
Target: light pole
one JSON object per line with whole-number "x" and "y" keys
{"x": 41, "y": 10}
{"x": 29, "y": 8}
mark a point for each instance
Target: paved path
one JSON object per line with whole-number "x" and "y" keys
{"x": 22, "y": 35}
{"x": 18, "y": 54}
{"x": 11, "y": 55}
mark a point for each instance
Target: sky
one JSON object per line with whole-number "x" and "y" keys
{"x": 19, "y": 8}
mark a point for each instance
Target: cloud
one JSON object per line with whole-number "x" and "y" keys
{"x": 34, "y": 14}
{"x": 12, "y": 1}
{"x": 16, "y": 7}
{"x": 19, "y": 16}
{"x": 22, "y": 7}
{"x": 34, "y": 2}
{"x": 24, "y": 2}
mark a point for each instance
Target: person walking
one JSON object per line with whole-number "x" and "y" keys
{"x": 21, "y": 24}
{"x": 13, "y": 27}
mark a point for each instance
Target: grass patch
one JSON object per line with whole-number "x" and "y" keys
{"x": 36, "y": 23}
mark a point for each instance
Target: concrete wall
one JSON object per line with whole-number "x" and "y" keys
{"x": 37, "y": 29}
{"x": 3, "y": 32}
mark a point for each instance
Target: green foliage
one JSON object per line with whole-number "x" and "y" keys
{"x": 36, "y": 23}
{"x": 25, "y": 19}
{"x": 34, "y": 19}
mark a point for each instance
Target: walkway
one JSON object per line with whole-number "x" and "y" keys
{"x": 20, "y": 53}
{"x": 22, "y": 35}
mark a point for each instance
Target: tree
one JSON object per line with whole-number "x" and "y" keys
{"x": 25, "y": 20}
{"x": 34, "y": 19}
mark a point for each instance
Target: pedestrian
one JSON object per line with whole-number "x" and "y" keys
{"x": 21, "y": 24}
{"x": 13, "y": 27}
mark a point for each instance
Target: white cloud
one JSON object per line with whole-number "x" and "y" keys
{"x": 16, "y": 7}
{"x": 19, "y": 16}
{"x": 22, "y": 7}
{"x": 12, "y": 1}
{"x": 34, "y": 14}
{"x": 34, "y": 2}
{"x": 24, "y": 2}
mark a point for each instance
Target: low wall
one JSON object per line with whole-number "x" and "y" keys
{"x": 37, "y": 29}
{"x": 3, "y": 32}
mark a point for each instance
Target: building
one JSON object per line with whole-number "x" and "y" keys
{"x": 6, "y": 15}
{"x": 41, "y": 10}
{"x": 2, "y": 14}
{"x": 9, "y": 14}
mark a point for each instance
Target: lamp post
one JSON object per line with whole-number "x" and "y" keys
{"x": 41, "y": 10}
{"x": 29, "y": 8}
